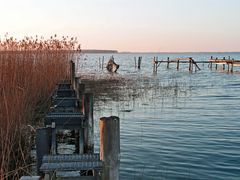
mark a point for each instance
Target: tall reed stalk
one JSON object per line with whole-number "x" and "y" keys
{"x": 29, "y": 71}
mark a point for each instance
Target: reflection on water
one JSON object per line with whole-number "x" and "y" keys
{"x": 174, "y": 124}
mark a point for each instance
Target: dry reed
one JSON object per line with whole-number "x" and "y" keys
{"x": 29, "y": 71}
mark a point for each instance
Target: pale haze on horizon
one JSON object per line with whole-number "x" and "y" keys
{"x": 129, "y": 25}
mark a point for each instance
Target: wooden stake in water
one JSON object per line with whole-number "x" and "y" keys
{"x": 99, "y": 62}
{"x": 89, "y": 126}
{"x": 102, "y": 62}
{"x": 110, "y": 147}
{"x": 178, "y": 65}
{"x": 135, "y": 60}
{"x": 168, "y": 61}
{"x": 139, "y": 62}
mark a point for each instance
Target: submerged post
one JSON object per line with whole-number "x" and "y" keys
{"x": 110, "y": 147}
{"x": 89, "y": 126}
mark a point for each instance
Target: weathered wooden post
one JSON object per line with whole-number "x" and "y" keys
{"x": 190, "y": 65}
{"x": 211, "y": 65}
{"x": 168, "y": 61}
{"x": 102, "y": 62}
{"x": 89, "y": 126}
{"x": 178, "y": 65}
{"x": 43, "y": 144}
{"x": 76, "y": 84}
{"x": 99, "y": 62}
{"x": 232, "y": 67}
{"x": 110, "y": 147}
{"x": 223, "y": 66}
{"x": 72, "y": 71}
{"x": 135, "y": 61}
{"x": 139, "y": 62}
{"x": 216, "y": 66}
{"x": 80, "y": 134}
{"x": 54, "y": 139}
{"x": 154, "y": 65}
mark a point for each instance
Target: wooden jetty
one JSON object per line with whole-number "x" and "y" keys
{"x": 230, "y": 63}
{"x": 192, "y": 63}
{"x": 72, "y": 109}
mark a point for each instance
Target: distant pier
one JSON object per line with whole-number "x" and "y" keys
{"x": 227, "y": 64}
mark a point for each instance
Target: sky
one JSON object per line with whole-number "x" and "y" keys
{"x": 129, "y": 25}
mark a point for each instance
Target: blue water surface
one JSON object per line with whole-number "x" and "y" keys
{"x": 174, "y": 124}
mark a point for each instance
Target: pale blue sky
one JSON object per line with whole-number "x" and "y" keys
{"x": 129, "y": 25}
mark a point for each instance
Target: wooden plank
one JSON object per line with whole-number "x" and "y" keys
{"x": 71, "y": 158}
{"x": 65, "y": 93}
{"x": 65, "y": 102}
{"x": 71, "y": 166}
{"x": 65, "y": 121}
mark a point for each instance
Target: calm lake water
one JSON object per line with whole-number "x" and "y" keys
{"x": 174, "y": 124}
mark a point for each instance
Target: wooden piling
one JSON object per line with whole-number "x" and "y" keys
{"x": 43, "y": 144}
{"x": 135, "y": 61}
{"x": 72, "y": 71}
{"x": 168, "y": 61}
{"x": 211, "y": 65}
{"x": 154, "y": 65}
{"x": 190, "y": 65}
{"x": 54, "y": 139}
{"x": 139, "y": 62}
{"x": 89, "y": 126}
{"x": 110, "y": 147}
{"x": 76, "y": 83}
{"x": 99, "y": 62}
{"x": 178, "y": 65}
{"x": 102, "y": 62}
{"x": 231, "y": 67}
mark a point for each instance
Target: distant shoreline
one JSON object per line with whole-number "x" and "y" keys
{"x": 89, "y": 51}
{"x": 98, "y": 51}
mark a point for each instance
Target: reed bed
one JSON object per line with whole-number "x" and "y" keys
{"x": 29, "y": 71}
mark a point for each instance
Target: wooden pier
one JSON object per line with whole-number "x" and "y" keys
{"x": 192, "y": 63}
{"x": 72, "y": 109}
{"x": 230, "y": 63}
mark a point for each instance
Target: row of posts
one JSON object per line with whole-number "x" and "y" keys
{"x": 156, "y": 64}
{"x": 138, "y": 62}
{"x": 109, "y": 133}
